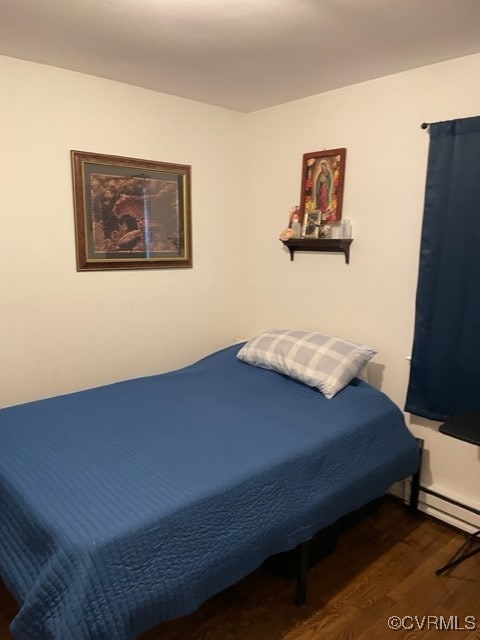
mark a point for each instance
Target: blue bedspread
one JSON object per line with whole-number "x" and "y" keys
{"x": 130, "y": 504}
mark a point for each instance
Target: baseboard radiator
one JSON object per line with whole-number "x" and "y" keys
{"x": 438, "y": 505}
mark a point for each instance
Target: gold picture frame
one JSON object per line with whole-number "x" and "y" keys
{"x": 131, "y": 213}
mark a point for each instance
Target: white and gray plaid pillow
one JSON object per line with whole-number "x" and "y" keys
{"x": 326, "y": 363}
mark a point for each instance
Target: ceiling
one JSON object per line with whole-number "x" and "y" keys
{"x": 244, "y": 55}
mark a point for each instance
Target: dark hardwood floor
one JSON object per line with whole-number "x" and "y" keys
{"x": 383, "y": 567}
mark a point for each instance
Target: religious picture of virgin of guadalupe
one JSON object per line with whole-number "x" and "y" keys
{"x": 323, "y": 177}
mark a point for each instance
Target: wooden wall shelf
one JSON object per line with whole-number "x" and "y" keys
{"x": 342, "y": 245}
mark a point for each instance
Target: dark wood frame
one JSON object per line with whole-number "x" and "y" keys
{"x": 334, "y": 159}
{"x": 153, "y": 203}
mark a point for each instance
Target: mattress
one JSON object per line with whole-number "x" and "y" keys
{"x": 129, "y": 504}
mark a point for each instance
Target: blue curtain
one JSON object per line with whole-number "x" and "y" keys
{"x": 445, "y": 367}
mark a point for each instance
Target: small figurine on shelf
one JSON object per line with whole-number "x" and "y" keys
{"x": 294, "y": 221}
{"x": 324, "y": 232}
{"x": 287, "y": 234}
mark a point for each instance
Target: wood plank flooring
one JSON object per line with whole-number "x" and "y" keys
{"x": 384, "y": 566}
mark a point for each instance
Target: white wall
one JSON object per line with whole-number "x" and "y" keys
{"x": 62, "y": 330}
{"x": 371, "y": 300}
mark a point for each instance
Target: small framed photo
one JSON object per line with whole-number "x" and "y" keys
{"x": 130, "y": 213}
{"x": 311, "y": 225}
{"x": 323, "y": 175}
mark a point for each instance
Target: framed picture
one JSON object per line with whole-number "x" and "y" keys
{"x": 131, "y": 214}
{"x": 311, "y": 224}
{"x": 323, "y": 175}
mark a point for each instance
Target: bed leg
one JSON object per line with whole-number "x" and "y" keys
{"x": 302, "y": 570}
{"x": 415, "y": 486}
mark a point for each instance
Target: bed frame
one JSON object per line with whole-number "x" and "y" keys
{"x": 302, "y": 551}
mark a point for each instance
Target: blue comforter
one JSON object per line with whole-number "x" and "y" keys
{"x": 132, "y": 503}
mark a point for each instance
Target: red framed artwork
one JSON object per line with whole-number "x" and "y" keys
{"x": 323, "y": 175}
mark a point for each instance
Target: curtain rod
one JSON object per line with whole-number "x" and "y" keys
{"x": 425, "y": 125}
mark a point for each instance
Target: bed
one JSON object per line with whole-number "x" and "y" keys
{"x": 130, "y": 504}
